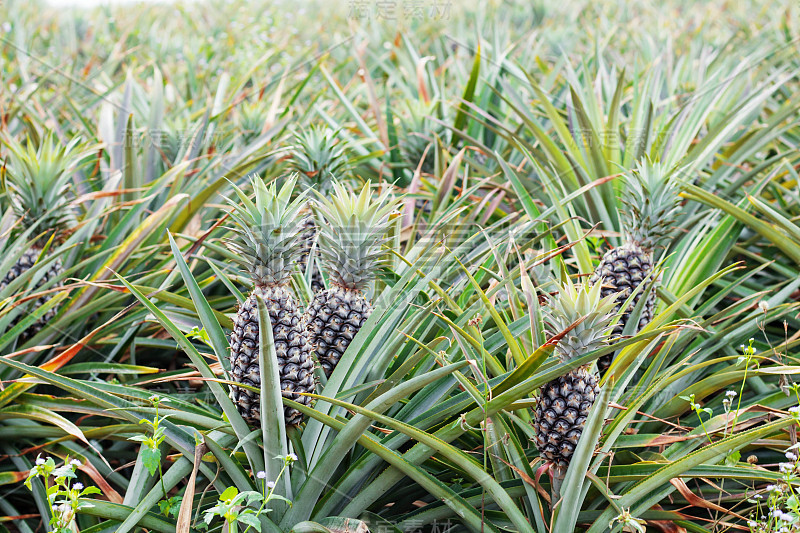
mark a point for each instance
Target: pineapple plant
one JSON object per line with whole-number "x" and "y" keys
{"x": 419, "y": 132}
{"x": 37, "y": 182}
{"x": 420, "y": 141}
{"x": 352, "y": 232}
{"x": 651, "y": 205}
{"x": 268, "y": 247}
{"x": 317, "y": 155}
{"x": 564, "y": 403}
{"x": 252, "y": 115}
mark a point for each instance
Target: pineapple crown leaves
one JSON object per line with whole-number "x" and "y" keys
{"x": 352, "y": 232}
{"x": 318, "y": 154}
{"x": 583, "y": 315}
{"x": 420, "y": 129}
{"x": 252, "y": 117}
{"x": 651, "y": 204}
{"x": 269, "y": 230}
{"x": 38, "y": 178}
{"x": 423, "y": 115}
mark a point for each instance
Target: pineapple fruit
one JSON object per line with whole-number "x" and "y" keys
{"x": 651, "y": 206}
{"x": 268, "y": 247}
{"x": 37, "y": 182}
{"x": 564, "y": 403}
{"x": 317, "y": 155}
{"x": 352, "y": 232}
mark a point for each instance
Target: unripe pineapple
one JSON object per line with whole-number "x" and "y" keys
{"x": 352, "y": 232}
{"x": 25, "y": 262}
{"x": 317, "y": 155}
{"x": 651, "y": 207}
{"x": 268, "y": 247}
{"x": 37, "y": 182}
{"x": 564, "y": 403}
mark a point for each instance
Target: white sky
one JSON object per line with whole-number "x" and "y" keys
{"x": 89, "y": 3}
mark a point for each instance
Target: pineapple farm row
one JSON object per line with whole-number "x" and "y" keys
{"x": 400, "y": 267}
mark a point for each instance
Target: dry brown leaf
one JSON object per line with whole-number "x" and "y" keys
{"x": 666, "y": 526}
{"x": 185, "y": 514}
{"x": 421, "y": 85}
{"x": 108, "y": 491}
{"x": 697, "y": 501}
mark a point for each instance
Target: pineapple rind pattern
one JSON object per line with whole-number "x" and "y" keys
{"x": 25, "y": 262}
{"x": 269, "y": 247}
{"x": 352, "y": 231}
{"x": 561, "y": 413}
{"x": 620, "y": 272}
{"x": 37, "y": 185}
{"x": 651, "y": 205}
{"x": 291, "y": 348}
{"x": 334, "y": 318}
{"x": 564, "y": 403}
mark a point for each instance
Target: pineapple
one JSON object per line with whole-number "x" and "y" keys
{"x": 652, "y": 205}
{"x": 37, "y": 183}
{"x": 352, "y": 232}
{"x": 317, "y": 155}
{"x": 269, "y": 246}
{"x": 564, "y": 403}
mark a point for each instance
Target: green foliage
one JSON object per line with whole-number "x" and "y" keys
{"x": 64, "y": 493}
{"x": 550, "y": 133}
{"x": 151, "y": 454}
{"x": 229, "y": 509}
{"x": 170, "y": 506}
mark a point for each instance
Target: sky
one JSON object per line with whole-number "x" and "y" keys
{"x": 90, "y": 3}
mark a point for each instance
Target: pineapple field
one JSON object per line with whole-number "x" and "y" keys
{"x": 400, "y": 266}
